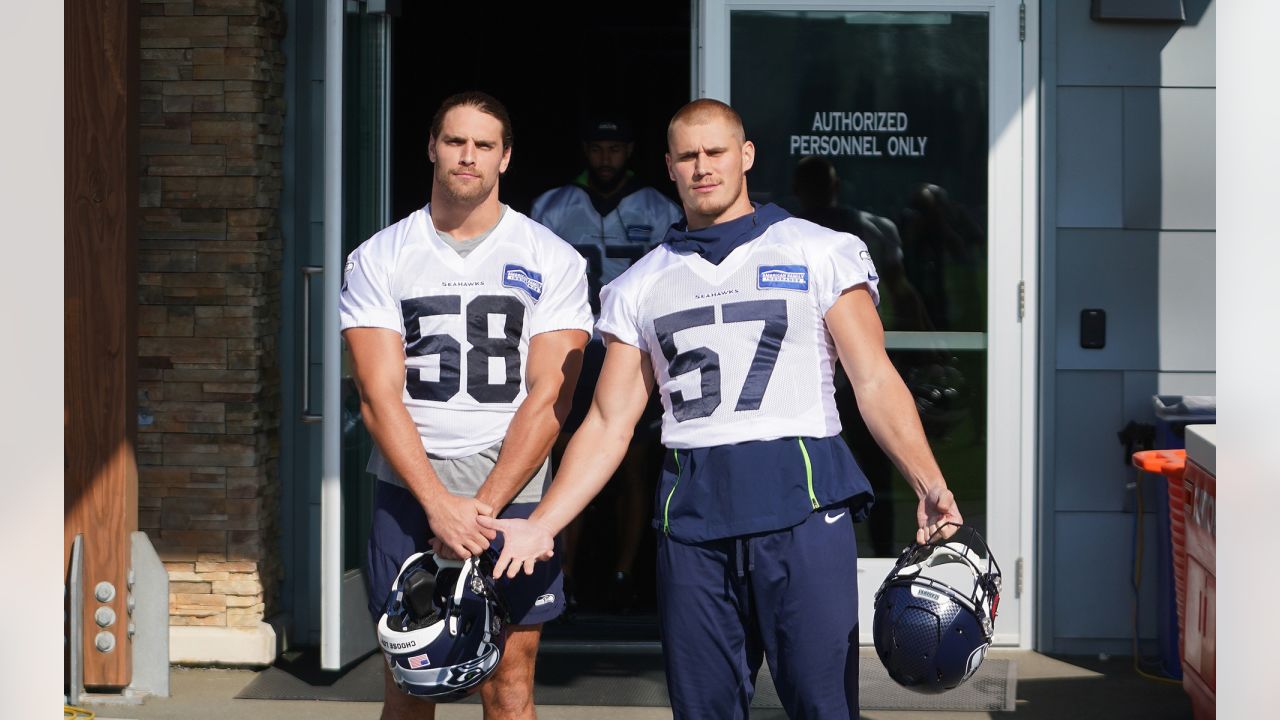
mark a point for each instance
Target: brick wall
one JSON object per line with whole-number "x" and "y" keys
{"x": 209, "y": 303}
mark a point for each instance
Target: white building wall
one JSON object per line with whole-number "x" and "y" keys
{"x": 1128, "y": 161}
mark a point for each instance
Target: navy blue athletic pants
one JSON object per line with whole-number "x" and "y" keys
{"x": 790, "y": 596}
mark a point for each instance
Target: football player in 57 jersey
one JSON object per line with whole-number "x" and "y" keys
{"x": 739, "y": 319}
{"x": 466, "y": 322}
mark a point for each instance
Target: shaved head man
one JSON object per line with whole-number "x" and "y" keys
{"x": 738, "y": 320}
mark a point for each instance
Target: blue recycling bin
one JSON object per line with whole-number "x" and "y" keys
{"x": 1173, "y": 414}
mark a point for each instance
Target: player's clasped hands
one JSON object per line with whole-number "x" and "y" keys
{"x": 524, "y": 543}
{"x": 453, "y": 519}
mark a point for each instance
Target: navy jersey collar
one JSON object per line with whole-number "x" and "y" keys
{"x": 715, "y": 242}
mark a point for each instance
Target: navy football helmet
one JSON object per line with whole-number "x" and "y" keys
{"x": 443, "y": 628}
{"x": 935, "y": 612}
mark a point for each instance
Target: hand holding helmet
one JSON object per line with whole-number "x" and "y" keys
{"x": 937, "y": 510}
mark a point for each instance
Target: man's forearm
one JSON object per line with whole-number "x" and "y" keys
{"x": 887, "y": 407}
{"x": 529, "y": 438}
{"x": 393, "y": 430}
{"x": 551, "y": 373}
{"x": 593, "y": 455}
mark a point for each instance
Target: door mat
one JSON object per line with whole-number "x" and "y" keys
{"x": 630, "y": 680}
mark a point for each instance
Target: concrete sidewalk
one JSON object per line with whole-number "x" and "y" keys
{"x": 1049, "y": 688}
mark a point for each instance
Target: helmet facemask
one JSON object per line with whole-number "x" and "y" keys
{"x": 956, "y": 558}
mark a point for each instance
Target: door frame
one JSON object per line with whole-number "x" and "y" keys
{"x": 1012, "y": 290}
{"x": 331, "y": 654}
{"x": 346, "y": 630}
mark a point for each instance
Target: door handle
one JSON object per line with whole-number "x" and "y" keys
{"x": 307, "y": 272}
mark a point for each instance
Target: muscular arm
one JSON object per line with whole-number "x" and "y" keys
{"x": 887, "y": 407}
{"x": 378, "y": 359}
{"x": 594, "y": 453}
{"x": 551, "y": 373}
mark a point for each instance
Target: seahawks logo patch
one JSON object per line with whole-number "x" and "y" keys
{"x": 783, "y": 277}
{"x": 514, "y": 276}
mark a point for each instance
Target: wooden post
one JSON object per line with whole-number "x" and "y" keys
{"x": 100, "y": 351}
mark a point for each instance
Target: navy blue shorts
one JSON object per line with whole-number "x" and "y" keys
{"x": 400, "y": 529}
{"x": 790, "y": 596}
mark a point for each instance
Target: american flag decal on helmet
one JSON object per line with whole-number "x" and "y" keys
{"x": 418, "y": 661}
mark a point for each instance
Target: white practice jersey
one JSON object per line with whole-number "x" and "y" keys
{"x": 613, "y": 242}
{"x": 740, "y": 350}
{"x": 466, "y": 322}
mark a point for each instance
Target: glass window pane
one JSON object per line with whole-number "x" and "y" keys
{"x": 876, "y": 124}
{"x": 363, "y": 215}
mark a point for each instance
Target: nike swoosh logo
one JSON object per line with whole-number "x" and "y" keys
{"x": 830, "y": 519}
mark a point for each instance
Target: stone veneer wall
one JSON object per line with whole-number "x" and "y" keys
{"x": 212, "y": 119}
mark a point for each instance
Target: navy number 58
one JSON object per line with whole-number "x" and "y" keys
{"x": 449, "y": 349}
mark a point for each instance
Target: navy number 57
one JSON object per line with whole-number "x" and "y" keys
{"x": 707, "y": 361}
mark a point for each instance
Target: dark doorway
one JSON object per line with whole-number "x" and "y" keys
{"x": 551, "y": 68}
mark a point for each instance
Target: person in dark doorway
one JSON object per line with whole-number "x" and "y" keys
{"x": 757, "y": 555}
{"x": 427, "y": 307}
{"x": 606, "y": 213}
{"x": 612, "y": 219}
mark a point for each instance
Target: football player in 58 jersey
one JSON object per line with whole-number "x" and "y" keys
{"x": 466, "y": 322}
{"x": 738, "y": 319}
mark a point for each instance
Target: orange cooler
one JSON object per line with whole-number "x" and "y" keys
{"x": 1172, "y": 464}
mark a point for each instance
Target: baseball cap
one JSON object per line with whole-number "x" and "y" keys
{"x": 607, "y": 127}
